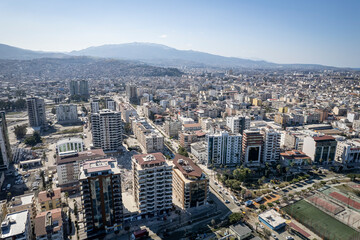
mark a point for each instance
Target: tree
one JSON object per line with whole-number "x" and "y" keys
{"x": 20, "y": 131}
{"x": 70, "y": 223}
{"x": 262, "y": 207}
{"x": 278, "y": 167}
{"x": 213, "y": 222}
{"x": 53, "y": 110}
{"x": 76, "y": 213}
{"x": 33, "y": 140}
{"x": 182, "y": 151}
{"x": 235, "y": 217}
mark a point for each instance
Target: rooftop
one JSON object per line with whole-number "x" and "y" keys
{"x": 152, "y": 158}
{"x": 51, "y": 218}
{"x": 187, "y": 166}
{"x": 98, "y": 166}
{"x": 323, "y": 138}
{"x": 49, "y": 195}
{"x": 80, "y": 156}
{"x": 14, "y": 224}
{"x": 272, "y": 217}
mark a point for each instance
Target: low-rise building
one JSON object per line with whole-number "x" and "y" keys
{"x": 272, "y": 219}
{"x": 294, "y": 157}
{"x": 187, "y": 138}
{"x": 23, "y": 202}
{"x": 16, "y": 226}
{"x": 348, "y": 152}
{"x": 49, "y": 199}
{"x": 49, "y": 225}
{"x": 240, "y": 231}
{"x": 190, "y": 185}
{"x": 199, "y": 150}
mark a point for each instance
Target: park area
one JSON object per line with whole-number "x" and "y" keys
{"x": 319, "y": 222}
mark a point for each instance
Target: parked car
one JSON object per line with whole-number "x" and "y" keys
{"x": 227, "y": 201}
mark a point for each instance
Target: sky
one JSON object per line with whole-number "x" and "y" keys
{"x": 282, "y": 31}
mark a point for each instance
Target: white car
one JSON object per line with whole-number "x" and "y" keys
{"x": 261, "y": 226}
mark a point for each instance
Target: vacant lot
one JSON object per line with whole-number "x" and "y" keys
{"x": 319, "y": 222}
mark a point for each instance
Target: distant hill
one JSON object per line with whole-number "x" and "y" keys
{"x": 14, "y": 53}
{"x": 78, "y": 67}
{"x": 155, "y": 54}
{"x": 166, "y": 56}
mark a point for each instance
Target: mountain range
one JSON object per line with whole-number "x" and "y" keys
{"x": 153, "y": 54}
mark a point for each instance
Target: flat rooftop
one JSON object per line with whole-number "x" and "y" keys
{"x": 16, "y": 223}
{"x": 272, "y": 217}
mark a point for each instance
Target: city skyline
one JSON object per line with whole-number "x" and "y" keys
{"x": 321, "y": 32}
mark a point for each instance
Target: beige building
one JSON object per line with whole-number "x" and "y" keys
{"x": 149, "y": 138}
{"x": 190, "y": 185}
{"x": 49, "y": 199}
{"x": 152, "y": 185}
{"x": 68, "y": 167}
{"x": 49, "y": 225}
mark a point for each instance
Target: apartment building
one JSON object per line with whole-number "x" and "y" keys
{"x": 127, "y": 111}
{"x": 110, "y": 104}
{"x": 321, "y": 149}
{"x": 49, "y": 225}
{"x": 191, "y": 127}
{"x": 107, "y": 130}
{"x": 172, "y": 128}
{"x": 187, "y": 138}
{"x": 252, "y": 146}
{"x": 49, "y": 199}
{"x": 223, "y": 148}
{"x": 271, "y": 147}
{"x": 36, "y": 111}
{"x": 348, "y": 152}
{"x": 5, "y": 149}
{"x": 152, "y": 184}
{"x": 190, "y": 185}
{"x": 68, "y": 167}
{"x": 95, "y": 105}
{"x": 150, "y": 139}
{"x": 21, "y": 203}
{"x": 16, "y": 226}
{"x": 131, "y": 93}
{"x": 80, "y": 88}
{"x": 100, "y": 183}
{"x": 67, "y": 113}
{"x": 238, "y": 124}
{"x": 70, "y": 144}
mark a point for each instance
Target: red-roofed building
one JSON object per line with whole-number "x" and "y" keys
{"x": 190, "y": 185}
{"x": 295, "y": 157}
{"x": 49, "y": 225}
{"x": 152, "y": 185}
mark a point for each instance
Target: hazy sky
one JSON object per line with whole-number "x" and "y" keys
{"x": 289, "y": 31}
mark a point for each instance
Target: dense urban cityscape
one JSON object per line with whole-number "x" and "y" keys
{"x": 179, "y": 120}
{"x": 205, "y": 155}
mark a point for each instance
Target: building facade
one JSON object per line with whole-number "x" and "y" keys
{"x": 49, "y": 199}
{"x": 238, "y": 124}
{"x": 172, "y": 128}
{"x": 36, "y": 111}
{"x": 152, "y": 184}
{"x": 271, "y": 147}
{"x": 148, "y": 137}
{"x": 5, "y": 149}
{"x": 68, "y": 167}
{"x": 252, "y": 146}
{"x": 100, "y": 183}
{"x": 107, "y": 130}
{"x": 223, "y": 149}
{"x": 190, "y": 185}
{"x": 67, "y": 113}
{"x": 320, "y": 149}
